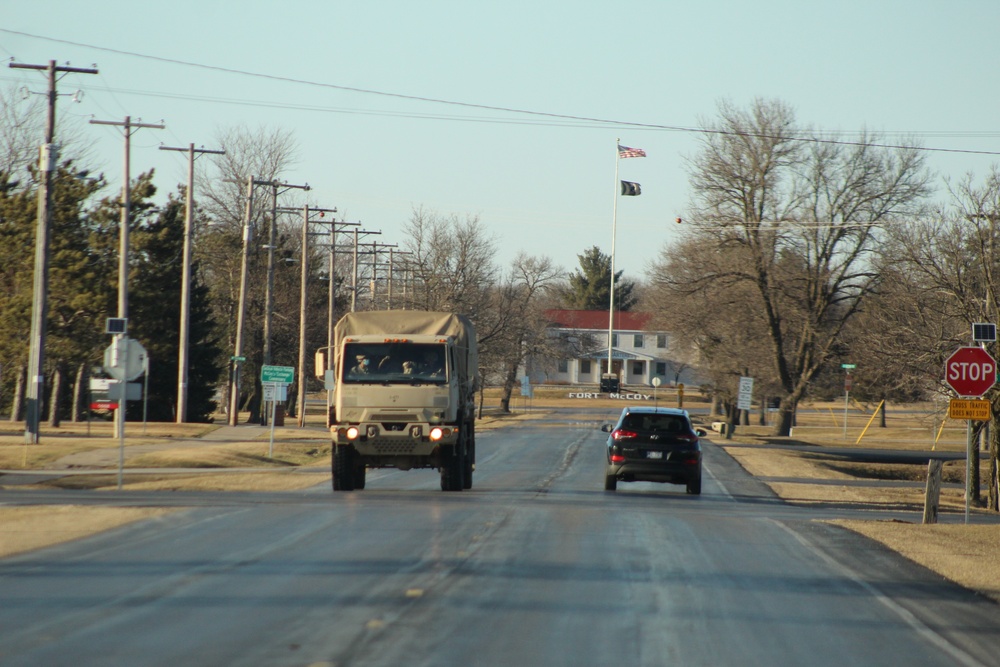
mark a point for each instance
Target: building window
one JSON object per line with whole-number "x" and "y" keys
{"x": 614, "y": 340}
{"x": 563, "y": 366}
{"x": 638, "y": 340}
{"x": 661, "y": 368}
{"x": 636, "y": 368}
{"x": 661, "y": 341}
{"x": 585, "y": 367}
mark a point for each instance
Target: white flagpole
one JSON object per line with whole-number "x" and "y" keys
{"x": 614, "y": 229}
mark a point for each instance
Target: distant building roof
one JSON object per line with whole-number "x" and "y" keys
{"x": 597, "y": 320}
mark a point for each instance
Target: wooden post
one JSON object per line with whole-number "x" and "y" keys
{"x": 933, "y": 495}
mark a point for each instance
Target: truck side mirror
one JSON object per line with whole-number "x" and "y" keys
{"x": 320, "y": 363}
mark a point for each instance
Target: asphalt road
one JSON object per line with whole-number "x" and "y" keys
{"x": 536, "y": 565}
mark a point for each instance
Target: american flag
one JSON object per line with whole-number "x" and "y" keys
{"x": 625, "y": 151}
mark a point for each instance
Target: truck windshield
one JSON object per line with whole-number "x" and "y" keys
{"x": 394, "y": 363}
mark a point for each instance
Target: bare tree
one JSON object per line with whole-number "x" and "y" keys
{"x": 451, "y": 263}
{"x": 263, "y": 153}
{"x": 947, "y": 275}
{"x": 222, "y": 189}
{"x": 710, "y": 315}
{"x": 514, "y": 326}
{"x": 22, "y": 128}
{"x": 797, "y": 222}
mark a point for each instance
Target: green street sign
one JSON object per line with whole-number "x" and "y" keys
{"x": 237, "y": 358}
{"x": 848, "y": 366}
{"x": 278, "y": 374}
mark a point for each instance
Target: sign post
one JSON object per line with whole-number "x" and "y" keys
{"x": 275, "y": 381}
{"x": 971, "y": 372}
{"x": 125, "y": 360}
{"x": 847, "y": 391}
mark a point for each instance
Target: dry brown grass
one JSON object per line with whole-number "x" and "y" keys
{"x": 28, "y": 528}
{"x": 963, "y": 554}
{"x": 70, "y": 438}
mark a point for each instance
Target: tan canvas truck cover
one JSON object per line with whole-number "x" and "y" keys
{"x": 410, "y": 322}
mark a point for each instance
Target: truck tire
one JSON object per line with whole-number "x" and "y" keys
{"x": 343, "y": 468}
{"x": 359, "y": 473}
{"x": 468, "y": 468}
{"x": 452, "y": 469}
{"x": 470, "y": 456}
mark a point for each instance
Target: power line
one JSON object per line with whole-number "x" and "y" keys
{"x": 487, "y": 107}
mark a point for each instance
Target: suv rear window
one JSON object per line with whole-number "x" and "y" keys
{"x": 657, "y": 423}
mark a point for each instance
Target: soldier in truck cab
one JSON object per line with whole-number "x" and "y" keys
{"x": 432, "y": 363}
{"x": 362, "y": 365}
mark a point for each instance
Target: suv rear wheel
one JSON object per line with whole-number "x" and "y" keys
{"x": 694, "y": 486}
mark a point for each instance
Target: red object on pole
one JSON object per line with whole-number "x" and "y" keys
{"x": 970, "y": 371}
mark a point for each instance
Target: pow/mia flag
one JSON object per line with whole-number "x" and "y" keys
{"x": 630, "y": 189}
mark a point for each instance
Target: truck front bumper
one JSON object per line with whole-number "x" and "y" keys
{"x": 374, "y": 439}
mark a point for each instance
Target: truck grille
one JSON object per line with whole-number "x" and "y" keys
{"x": 392, "y": 446}
{"x": 394, "y": 417}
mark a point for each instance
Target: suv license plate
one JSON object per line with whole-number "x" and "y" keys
{"x": 654, "y": 455}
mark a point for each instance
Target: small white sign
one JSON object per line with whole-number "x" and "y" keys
{"x": 745, "y": 398}
{"x": 100, "y": 384}
{"x": 275, "y": 392}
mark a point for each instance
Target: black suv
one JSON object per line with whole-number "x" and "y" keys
{"x": 653, "y": 445}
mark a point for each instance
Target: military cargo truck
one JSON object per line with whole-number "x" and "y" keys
{"x": 404, "y": 396}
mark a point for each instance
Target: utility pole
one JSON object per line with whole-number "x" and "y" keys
{"x": 376, "y": 246}
{"x": 272, "y": 240}
{"x": 182, "y": 355}
{"x": 392, "y": 256}
{"x": 354, "y": 284}
{"x": 303, "y": 298}
{"x": 331, "y": 306}
{"x": 237, "y": 358}
{"x": 123, "y": 232}
{"x": 47, "y": 163}
{"x": 304, "y": 277}
{"x": 128, "y": 128}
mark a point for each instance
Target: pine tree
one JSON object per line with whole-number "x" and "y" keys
{"x": 590, "y": 285}
{"x": 154, "y": 315}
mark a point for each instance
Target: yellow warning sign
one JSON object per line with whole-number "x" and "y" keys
{"x": 974, "y": 409}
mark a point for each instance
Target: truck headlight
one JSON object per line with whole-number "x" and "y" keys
{"x": 352, "y": 433}
{"x": 437, "y": 433}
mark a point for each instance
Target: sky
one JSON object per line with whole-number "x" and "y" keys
{"x": 510, "y": 111}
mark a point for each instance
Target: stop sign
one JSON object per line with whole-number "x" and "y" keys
{"x": 970, "y": 371}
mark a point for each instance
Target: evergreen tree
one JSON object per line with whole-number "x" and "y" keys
{"x": 76, "y": 295}
{"x": 156, "y": 268}
{"x": 590, "y": 285}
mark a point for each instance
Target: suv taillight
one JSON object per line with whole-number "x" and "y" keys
{"x": 622, "y": 434}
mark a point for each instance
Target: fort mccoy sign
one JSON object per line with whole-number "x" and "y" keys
{"x": 618, "y": 396}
